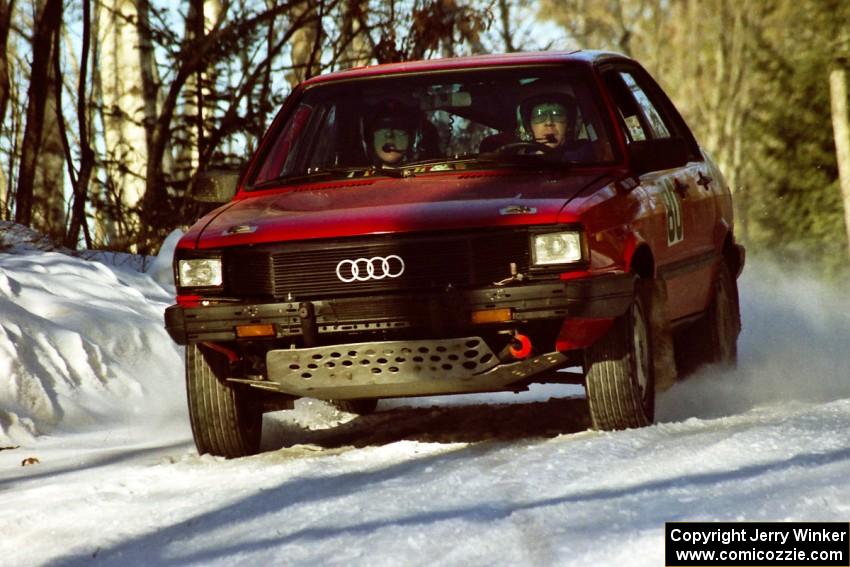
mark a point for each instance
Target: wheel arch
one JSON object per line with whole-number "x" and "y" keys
{"x": 733, "y": 255}
{"x": 642, "y": 262}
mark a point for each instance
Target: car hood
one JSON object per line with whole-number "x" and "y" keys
{"x": 391, "y": 205}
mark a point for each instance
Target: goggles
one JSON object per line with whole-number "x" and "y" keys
{"x": 396, "y": 133}
{"x": 549, "y": 112}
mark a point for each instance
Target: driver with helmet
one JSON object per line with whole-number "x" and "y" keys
{"x": 548, "y": 119}
{"x": 546, "y": 124}
{"x": 399, "y": 134}
{"x": 391, "y": 139}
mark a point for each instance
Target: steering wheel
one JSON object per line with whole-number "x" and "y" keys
{"x": 514, "y": 148}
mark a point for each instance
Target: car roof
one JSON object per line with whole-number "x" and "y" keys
{"x": 470, "y": 62}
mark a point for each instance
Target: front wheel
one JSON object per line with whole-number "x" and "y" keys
{"x": 619, "y": 376}
{"x": 226, "y": 419}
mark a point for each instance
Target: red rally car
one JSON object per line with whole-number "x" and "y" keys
{"x": 453, "y": 226}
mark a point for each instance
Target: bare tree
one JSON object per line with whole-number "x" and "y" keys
{"x": 357, "y": 51}
{"x": 230, "y": 120}
{"x": 217, "y": 79}
{"x": 125, "y": 108}
{"x": 506, "y": 31}
{"x": 49, "y": 187}
{"x": 195, "y": 54}
{"x": 198, "y": 103}
{"x": 82, "y": 180}
{"x": 306, "y": 41}
{"x": 48, "y": 20}
{"x": 607, "y": 24}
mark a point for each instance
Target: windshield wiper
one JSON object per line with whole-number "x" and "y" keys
{"x": 350, "y": 172}
{"x": 399, "y": 172}
{"x": 311, "y": 174}
{"x": 280, "y": 179}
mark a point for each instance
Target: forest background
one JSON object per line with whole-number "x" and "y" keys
{"x": 110, "y": 108}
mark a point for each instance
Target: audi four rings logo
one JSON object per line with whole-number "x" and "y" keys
{"x": 365, "y": 269}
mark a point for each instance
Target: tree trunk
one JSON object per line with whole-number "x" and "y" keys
{"x": 198, "y": 105}
{"x": 303, "y": 44}
{"x": 126, "y": 114}
{"x": 6, "y": 9}
{"x": 506, "y": 31}
{"x": 146, "y": 71}
{"x": 356, "y": 52}
{"x": 841, "y": 129}
{"x": 49, "y": 18}
{"x": 448, "y": 9}
{"x": 81, "y": 186}
{"x": 49, "y": 189}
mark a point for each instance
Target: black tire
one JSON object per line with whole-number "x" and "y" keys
{"x": 619, "y": 376}
{"x": 724, "y": 319}
{"x": 226, "y": 418}
{"x": 713, "y": 339}
{"x": 360, "y": 407}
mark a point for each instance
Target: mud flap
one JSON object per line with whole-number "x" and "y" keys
{"x": 663, "y": 355}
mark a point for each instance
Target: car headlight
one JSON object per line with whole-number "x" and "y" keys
{"x": 199, "y": 272}
{"x": 556, "y": 248}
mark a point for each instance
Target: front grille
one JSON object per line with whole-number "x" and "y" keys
{"x": 304, "y": 270}
{"x": 358, "y": 309}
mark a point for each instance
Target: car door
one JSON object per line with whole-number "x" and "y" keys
{"x": 681, "y": 219}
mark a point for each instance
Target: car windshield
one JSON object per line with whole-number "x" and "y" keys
{"x": 440, "y": 121}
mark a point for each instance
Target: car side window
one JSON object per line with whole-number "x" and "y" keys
{"x": 650, "y": 111}
{"x": 645, "y": 111}
{"x": 636, "y": 128}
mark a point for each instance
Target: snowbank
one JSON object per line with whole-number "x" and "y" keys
{"x": 81, "y": 342}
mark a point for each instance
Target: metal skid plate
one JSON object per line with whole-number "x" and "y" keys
{"x": 375, "y": 362}
{"x": 396, "y": 368}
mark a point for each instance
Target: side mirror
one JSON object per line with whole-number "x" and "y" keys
{"x": 658, "y": 154}
{"x": 215, "y": 186}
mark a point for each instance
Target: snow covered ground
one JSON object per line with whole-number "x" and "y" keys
{"x": 91, "y": 393}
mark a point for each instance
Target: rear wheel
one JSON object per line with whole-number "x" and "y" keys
{"x": 724, "y": 319}
{"x": 714, "y": 337}
{"x": 226, "y": 418}
{"x": 619, "y": 376}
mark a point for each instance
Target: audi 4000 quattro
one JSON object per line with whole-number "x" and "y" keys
{"x": 454, "y": 226}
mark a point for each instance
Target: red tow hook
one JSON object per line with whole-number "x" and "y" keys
{"x": 232, "y": 357}
{"x": 520, "y": 346}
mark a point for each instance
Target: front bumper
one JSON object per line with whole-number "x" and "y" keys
{"x": 215, "y": 320}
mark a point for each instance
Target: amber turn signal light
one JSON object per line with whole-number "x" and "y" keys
{"x": 491, "y": 316}
{"x": 245, "y": 331}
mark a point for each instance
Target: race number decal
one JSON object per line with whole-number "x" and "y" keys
{"x": 675, "y": 226}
